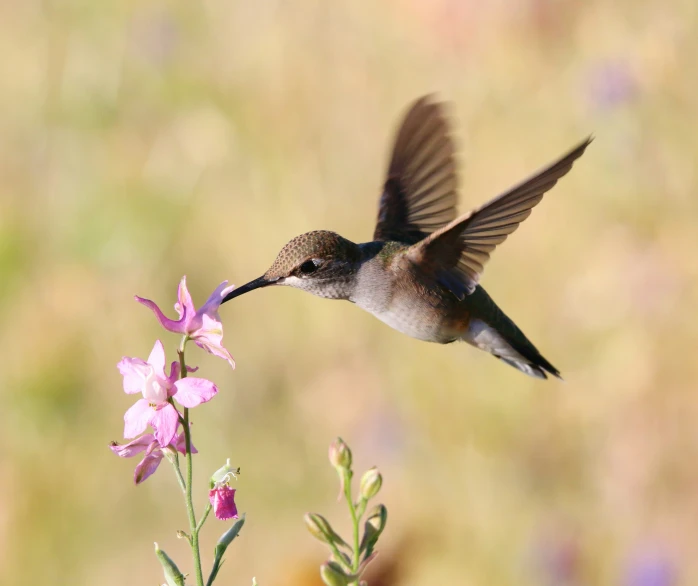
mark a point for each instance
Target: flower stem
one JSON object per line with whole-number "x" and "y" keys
{"x": 178, "y": 473}
{"x": 193, "y": 527}
{"x": 207, "y": 510}
{"x": 355, "y": 519}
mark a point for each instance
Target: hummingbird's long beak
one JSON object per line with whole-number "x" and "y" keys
{"x": 256, "y": 284}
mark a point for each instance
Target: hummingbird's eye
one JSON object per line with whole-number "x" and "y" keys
{"x": 309, "y": 266}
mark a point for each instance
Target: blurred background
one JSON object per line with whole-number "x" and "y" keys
{"x": 141, "y": 141}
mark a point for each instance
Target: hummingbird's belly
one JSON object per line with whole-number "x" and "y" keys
{"x": 401, "y": 299}
{"x": 423, "y": 320}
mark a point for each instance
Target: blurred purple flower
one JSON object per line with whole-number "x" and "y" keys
{"x": 223, "y": 500}
{"x": 612, "y": 84}
{"x": 153, "y": 453}
{"x": 203, "y": 326}
{"x": 155, "y": 408}
{"x": 651, "y": 568}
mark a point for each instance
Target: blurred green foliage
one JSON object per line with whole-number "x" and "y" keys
{"x": 140, "y": 141}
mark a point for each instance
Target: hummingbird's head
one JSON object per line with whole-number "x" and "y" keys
{"x": 320, "y": 262}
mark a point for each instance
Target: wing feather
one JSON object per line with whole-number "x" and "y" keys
{"x": 458, "y": 251}
{"x": 420, "y": 191}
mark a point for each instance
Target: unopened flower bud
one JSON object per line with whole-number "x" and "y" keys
{"x": 332, "y": 574}
{"x": 227, "y": 538}
{"x": 377, "y": 517}
{"x": 373, "y": 527}
{"x": 320, "y": 528}
{"x": 340, "y": 454}
{"x": 223, "y": 543}
{"x": 172, "y": 574}
{"x": 370, "y": 484}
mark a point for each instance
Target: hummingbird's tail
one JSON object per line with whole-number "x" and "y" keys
{"x": 491, "y": 330}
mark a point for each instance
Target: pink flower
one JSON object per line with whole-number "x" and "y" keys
{"x": 223, "y": 500}
{"x": 155, "y": 408}
{"x": 153, "y": 453}
{"x": 203, "y": 326}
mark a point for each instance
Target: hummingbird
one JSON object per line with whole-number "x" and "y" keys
{"x": 420, "y": 273}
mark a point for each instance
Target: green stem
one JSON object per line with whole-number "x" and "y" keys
{"x": 355, "y": 519}
{"x": 193, "y": 527}
{"x": 178, "y": 473}
{"x": 207, "y": 510}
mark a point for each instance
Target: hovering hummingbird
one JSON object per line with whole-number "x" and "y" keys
{"x": 420, "y": 273}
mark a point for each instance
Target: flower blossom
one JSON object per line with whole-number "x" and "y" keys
{"x": 223, "y": 500}
{"x": 155, "y": 408}
{"x": 221, "y": 496}
{"x": 203, "y": 326}
{"x": 153, "y": 453}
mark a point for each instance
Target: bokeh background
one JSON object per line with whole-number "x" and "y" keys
{"x": 141, "y": 141}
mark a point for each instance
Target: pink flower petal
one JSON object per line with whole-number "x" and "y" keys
{"x": 133, "y": 447}
{"x": 157, "y": 390}
{"x": 134, "y": 371}
{"x": 193, "y": 391}
{"x": 211, "y": 329}
{"x": 179, "y": 444}
{"x": 223, "y": 501}
{"x": 227, "y": 290}
{"x": 157, "y": 359}
{"x": 164, "y": 422}
{"x": 178, "y": 327}
{"x": 210, "y": 336}
{"x": 216, "y": 350}
{"x": 175, "y": 369}
{"x": 214, "y": 301}
{"x": 147, "y": 466}
{"x": 137, "y": 418}
{"x": 203, "y": 326}
{"x": 184, "y": 305}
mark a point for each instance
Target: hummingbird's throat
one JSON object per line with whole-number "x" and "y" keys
{"x": 341, "y": 288}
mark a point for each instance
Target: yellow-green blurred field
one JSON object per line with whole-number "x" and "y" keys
{"x": 141, "y": 141}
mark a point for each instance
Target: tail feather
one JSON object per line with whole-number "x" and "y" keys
{"x": 530, "y": 368}
{"x": 495, "y": 333}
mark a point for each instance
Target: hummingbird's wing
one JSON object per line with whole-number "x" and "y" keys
{"x": 457, "y": 253}
{"x": 419, "y": 195}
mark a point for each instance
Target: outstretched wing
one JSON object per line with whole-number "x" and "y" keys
{"x": 419, "y": 195}
{"x": 457, "y": 253}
